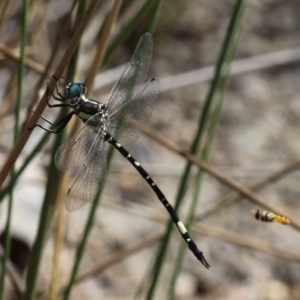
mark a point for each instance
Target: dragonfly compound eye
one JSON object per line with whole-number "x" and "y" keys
{"x": 76, "y": 90}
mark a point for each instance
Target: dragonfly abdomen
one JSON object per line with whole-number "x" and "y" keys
{"x": 183, "y": 231}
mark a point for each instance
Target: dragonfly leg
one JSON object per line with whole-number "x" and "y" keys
{"x": 61, "y": 124}
{"x": 58, "y": 96}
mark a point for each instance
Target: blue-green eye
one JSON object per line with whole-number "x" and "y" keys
{"x": 77, "y": 89}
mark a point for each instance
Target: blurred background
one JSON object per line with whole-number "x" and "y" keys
{"x": 257, "y": 136}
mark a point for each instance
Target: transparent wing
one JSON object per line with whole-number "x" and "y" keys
{"x": 71, "y": 155}
{"x": 132, "y": 80}
{"x": 90, "y": 170}
{"x": 128, "y": 122}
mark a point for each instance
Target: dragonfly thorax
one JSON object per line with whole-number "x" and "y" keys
{"x": 87, "y": 108}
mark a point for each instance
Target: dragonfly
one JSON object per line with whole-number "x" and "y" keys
{"x": 267, "y": 216}
{"x": 120, "y": 121}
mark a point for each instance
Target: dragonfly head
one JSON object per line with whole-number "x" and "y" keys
{"x": 75, "y": 91}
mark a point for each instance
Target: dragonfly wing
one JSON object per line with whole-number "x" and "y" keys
{"x": 134, "y": 115}
{"x": 91, "y": 174}
{"x": 132, "y": 80}
{"x": 71, "y": 155}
